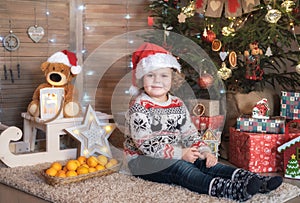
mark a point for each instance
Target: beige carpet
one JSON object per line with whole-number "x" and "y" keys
{"x": 118, "y": 188}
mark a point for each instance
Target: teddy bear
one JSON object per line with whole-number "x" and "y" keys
{"x": 59, "y": 70}
{"x": 252, "y": 56}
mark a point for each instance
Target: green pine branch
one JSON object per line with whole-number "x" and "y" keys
{"x": 278, "y": 68}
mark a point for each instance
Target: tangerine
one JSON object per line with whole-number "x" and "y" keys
{"x": 85, "y": 165}
{"x": 51, "y": 171}
{"x": 109, "y": 165}
{"x": 99, "y": 167}
{"x": 82, "y": 170}
{"x": 113, "y": 161}
{"x": 56, "y": 165}
{"x": 82, "y": 160}
{"x": 71, "y": 173}
{"x": 72, "y": 165}
{"x": 102, "y": 160}
{"x": 61, "y": 175}
{"x": 92, "y": 170}
{"x": 92, "y": 161}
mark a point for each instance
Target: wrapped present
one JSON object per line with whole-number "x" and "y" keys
{"x": 246, "y": 123}
{"x": 212, "y": 122}
{"x": 256, "y": 152}
{"x": 290, "y": 150}
{"x": 290, "y": 105}
{"x": 204, "y": 107}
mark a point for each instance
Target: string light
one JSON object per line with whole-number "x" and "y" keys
{"x": 81, "y": 7}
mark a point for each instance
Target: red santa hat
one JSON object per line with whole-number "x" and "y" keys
{"x": 68, "y": 58}
{"x": 149, "y": 57}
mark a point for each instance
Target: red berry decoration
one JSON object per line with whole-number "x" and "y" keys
{"x": 205, "y": 81}
{"x": 210, "y": 36}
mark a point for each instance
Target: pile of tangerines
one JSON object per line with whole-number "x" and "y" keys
{"x": 81, "y": 165}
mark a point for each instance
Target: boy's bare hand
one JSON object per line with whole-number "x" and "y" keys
{"x": 211, "y": 159}
{"x": 190, "y": 154}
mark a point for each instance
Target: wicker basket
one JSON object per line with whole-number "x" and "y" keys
{"x": 56, "y": 181}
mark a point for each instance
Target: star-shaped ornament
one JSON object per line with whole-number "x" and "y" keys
{"x": 92, "y": 135}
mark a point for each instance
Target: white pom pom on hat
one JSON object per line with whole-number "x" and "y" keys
{"x": 149, "y": 57}
{"x": 68, "y": 58}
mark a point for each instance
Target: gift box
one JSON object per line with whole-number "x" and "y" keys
{"x": 256, "y": 152}
{"x": 290, "y": 105}
{"x": 290, "y": 150}
{"x": 212, "y": 122}
{"x": 210, "y": 107}
{"x": 260, "y": 125}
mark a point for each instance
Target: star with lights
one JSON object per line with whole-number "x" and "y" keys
{"x": 92, "y": 134}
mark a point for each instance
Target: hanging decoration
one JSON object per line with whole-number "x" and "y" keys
{"x": 232, "y": 59}
{"x": 227, "y": 31}
{"x": 214, "y": 8}
{"x": 205, "y": 80}
{"x": 208, "y": 35}
{"x": 11, "y": 42}
{"x": 224, "y": 73}
{"x": 273, "y": 15}
{"x": 181, "y": 18}
{"x": 252, "y": 56}
{"x": 223, "y": 55}
{"x": 231, "y": 8}
{"x": 166, "y": 32}
{"x": 288, "y": 5}
{"x": 269, "y": 52}
{"x": 189, "y": 10}
{"x": 249, "y": 5}
{"x": 216, "y": 45}
{"x": 35, "y": 32}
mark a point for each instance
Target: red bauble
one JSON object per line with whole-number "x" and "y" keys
{"x": 205, "y": 81}
{"x": 210, "y": 36}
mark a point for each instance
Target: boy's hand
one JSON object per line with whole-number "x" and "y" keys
{"x": 190, "y": 154}
{"x": 211, "y": 159}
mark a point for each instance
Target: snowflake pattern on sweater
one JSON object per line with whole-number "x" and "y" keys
{"x": 159, "y": 130}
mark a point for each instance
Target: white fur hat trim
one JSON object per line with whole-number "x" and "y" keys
{"x": 59, "y": 57}
{"x": 154, "y": 62}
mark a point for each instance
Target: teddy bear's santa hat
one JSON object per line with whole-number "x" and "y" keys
{"x": 68, "y": 58}
{"x": 149, "y": 57}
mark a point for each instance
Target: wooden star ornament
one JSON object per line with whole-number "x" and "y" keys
{"x": 92, "y": 134}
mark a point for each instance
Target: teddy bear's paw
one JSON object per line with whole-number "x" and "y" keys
{"x": 33, "y": 109}
{"x": 71, "y": 109}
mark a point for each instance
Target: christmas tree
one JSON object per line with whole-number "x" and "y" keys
{"x": 250, "y": 49}
{"x": 292, "y": 168}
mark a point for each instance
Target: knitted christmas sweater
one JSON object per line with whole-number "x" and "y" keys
{"x": 159, "y": 129}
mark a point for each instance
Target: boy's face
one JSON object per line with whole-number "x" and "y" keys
{"x": 158, "y": 83}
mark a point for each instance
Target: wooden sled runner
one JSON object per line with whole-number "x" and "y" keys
{"x": 25, "y": 148}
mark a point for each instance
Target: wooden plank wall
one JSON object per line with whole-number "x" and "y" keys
{"x": 15, "y": 96}
{"x": 101, "y": 20}
{"x": 106, "y": 19}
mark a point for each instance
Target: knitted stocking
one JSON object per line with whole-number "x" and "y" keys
{"x": 269, "y": 183}
{"x": 239, "y": 190}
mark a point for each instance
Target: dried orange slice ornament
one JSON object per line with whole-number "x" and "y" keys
{"x": 232, "y": 59}
{"x": 216, "y": 45}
